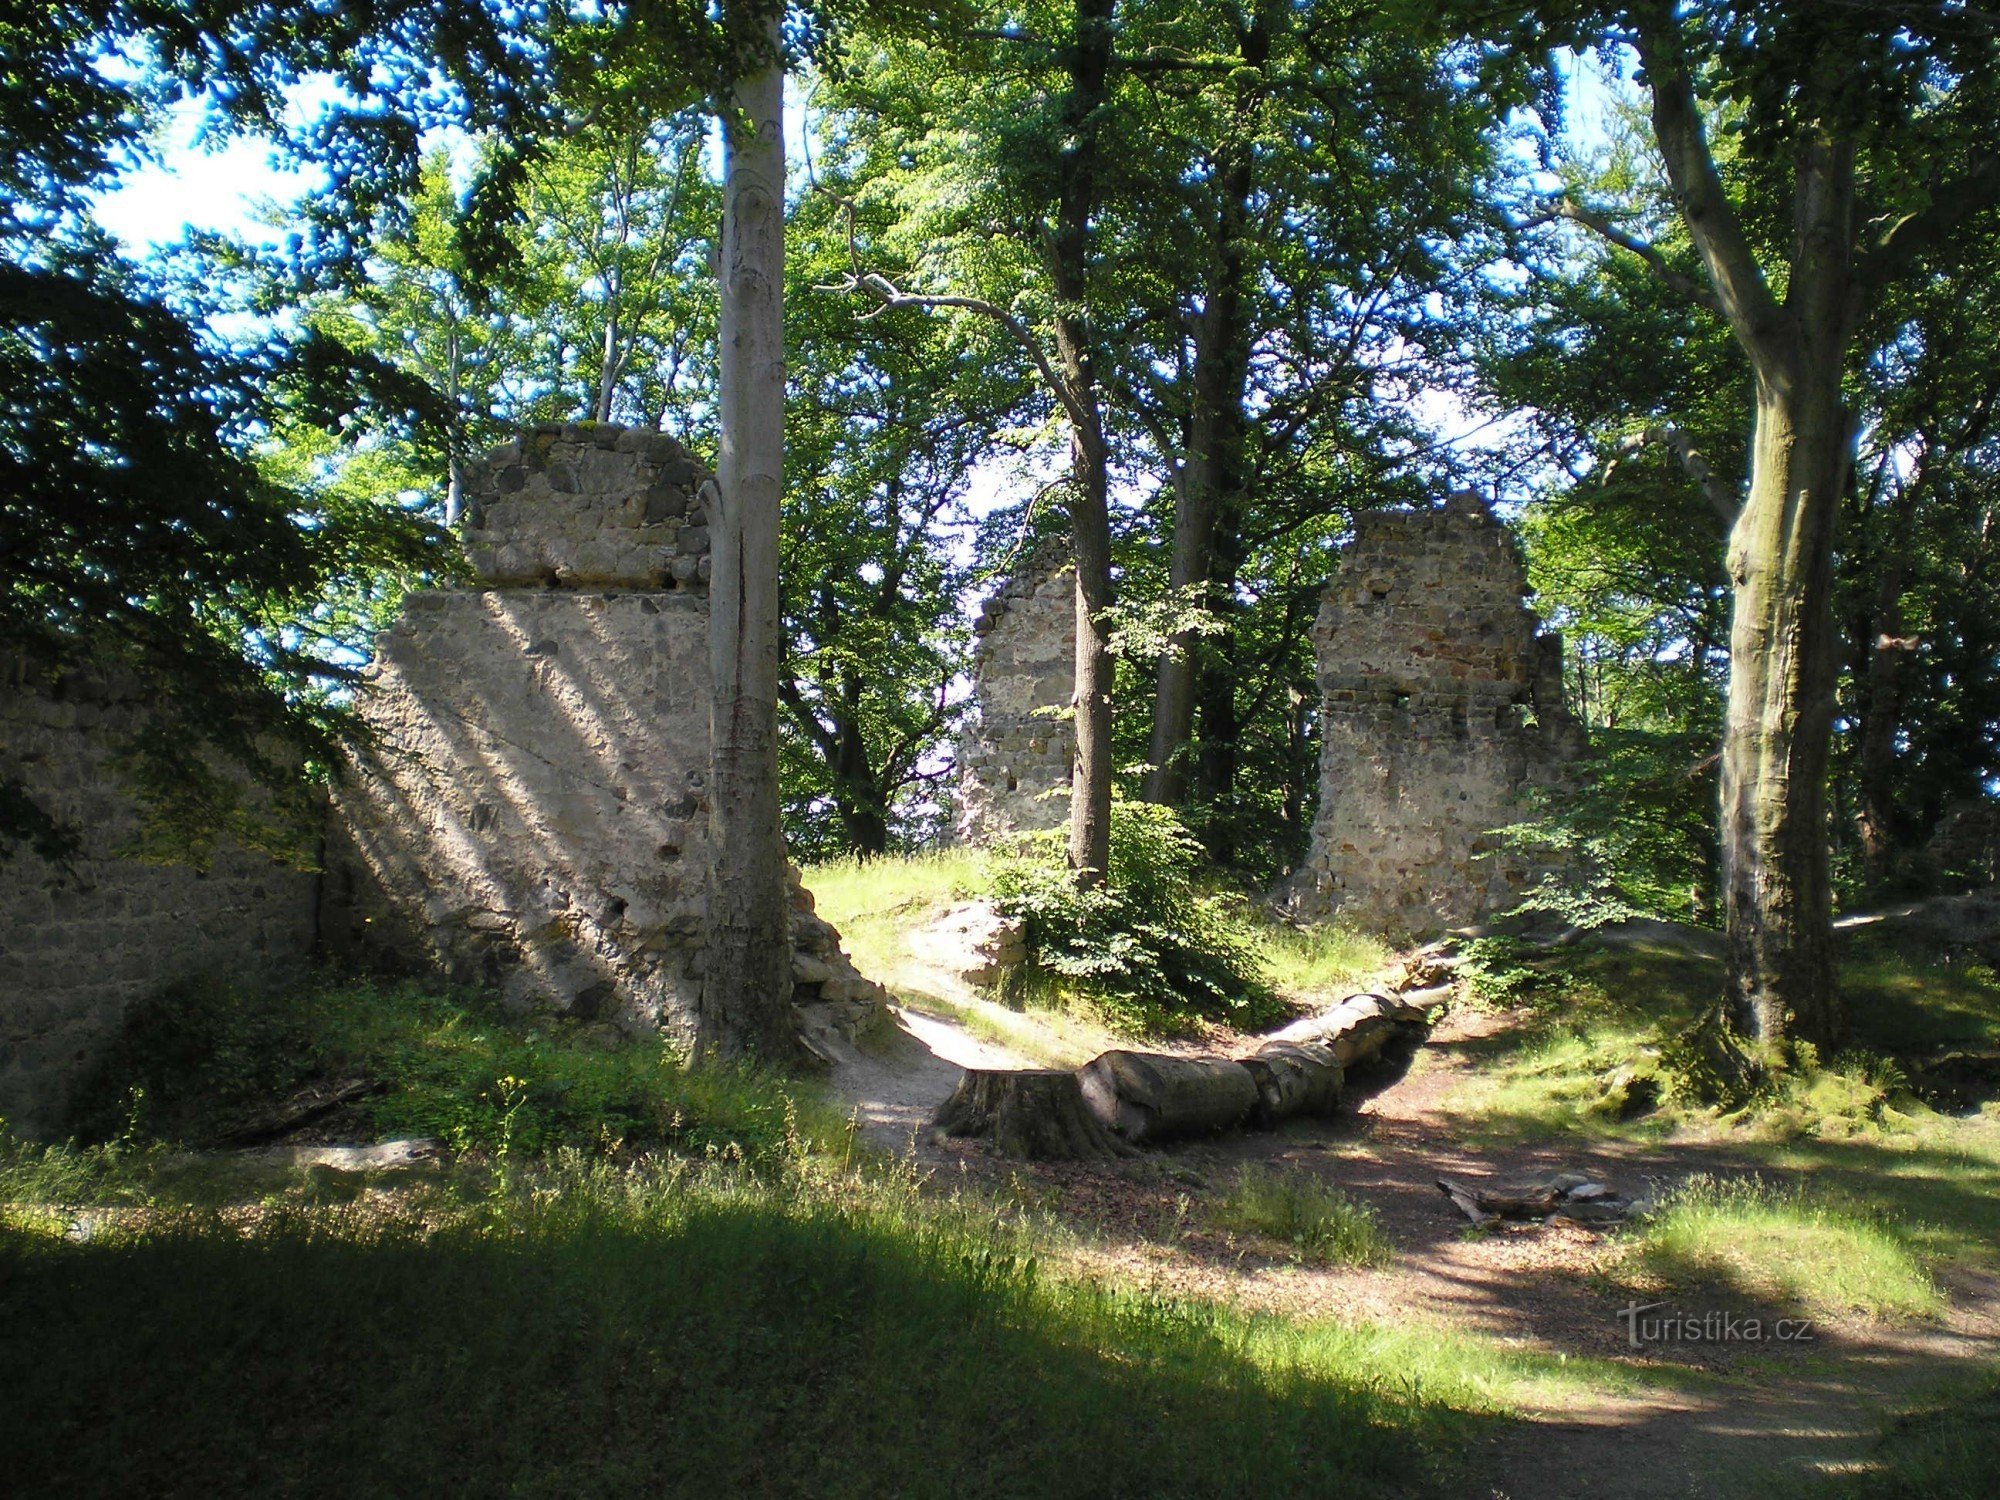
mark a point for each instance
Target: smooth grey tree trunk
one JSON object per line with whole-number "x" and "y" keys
{"x": 1090, "y": 522}
{"x": 1777, "y": 891}
{"x": 746, "y": 994}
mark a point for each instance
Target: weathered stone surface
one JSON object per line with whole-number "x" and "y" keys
{"x": 79, "y": 945}
{"x": 1014, "y": 760}
{"x": 532, "y": 812}
{"x": 1440, "y": 704}
{"x": 586, "y": 506}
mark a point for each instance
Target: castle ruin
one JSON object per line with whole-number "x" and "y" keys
{"x": 1441, "y": 705}
{"x": 1015, "y": 757}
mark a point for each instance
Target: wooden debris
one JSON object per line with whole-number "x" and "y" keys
{"x": 309, "y": 1105}
{"x": 1567, "y": 1195}
{"x": 1153, "y": 1096}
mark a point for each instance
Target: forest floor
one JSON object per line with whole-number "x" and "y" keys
{"x": 535, "y": 1255}
{"x": 1710, "y": 1416}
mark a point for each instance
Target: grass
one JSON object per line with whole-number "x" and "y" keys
{"x": 1943, "y": 1451}
{"x": 1316, "y": 965}
{"x": 683, "y": 1329}
{"x": 199, "y": 1061}
{"x": 1792, "y": 1246}
{"x": 875, "y": 901}
{"x": 1321, "y": 1223}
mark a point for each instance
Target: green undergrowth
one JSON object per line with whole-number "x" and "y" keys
{"x": 1598, "y": 1052}
{"x": 1320, "y": 1223}
{"x": 1157, "y": 949}
{"x": 683, "y": 1328}
{"x": 1799, "y": 1247}
{"x": 1606, "y": 1043}
{"x": 201, "y": 1064}
{"x": 1163, "y": 950}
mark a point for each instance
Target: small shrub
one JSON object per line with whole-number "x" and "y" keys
{"x": 1789, "y": 1245}
{"x": 1322, "y": 1223}
{"x": 1152, "y": 949}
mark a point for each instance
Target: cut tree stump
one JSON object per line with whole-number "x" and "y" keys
{"x": 1154, "y": 1096}
{"x": 1294, "y": 1080}
{"x": 1034, "y": 1114}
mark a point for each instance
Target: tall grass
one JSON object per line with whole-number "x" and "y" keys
{"x": 1316, "y": 964}
{"x": 199, "y": 1061}
{"x": 1320, "y": 1222}
{"x": 684, "y": 1331}
{"x": 1788, "y": 1245}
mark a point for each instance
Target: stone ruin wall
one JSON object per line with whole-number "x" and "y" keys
{"x": 82, "y": 940}
{"x": 1015, "y": 757}
{"x": 533, "y": 811}
{"x": 1441, "y": 704}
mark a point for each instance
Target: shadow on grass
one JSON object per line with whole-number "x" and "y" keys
{"x": 704, "y": 1347}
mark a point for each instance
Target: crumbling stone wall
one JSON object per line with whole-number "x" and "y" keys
{"x": 82, "y": 940}
{"x": 1015, "y": 758}
{"x": 532, "y": 813}
{"x": 1440, "y": 704}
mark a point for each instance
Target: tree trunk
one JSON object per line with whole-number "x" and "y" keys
{"x": 1882, "y": 652}
{"x": 1215, "y": 752}
{"x": 746, "y": 997}
{"x": 1211, "y": 469}
{"x": 1295, "y": 1080}
{"x": 863, "y": 812}
{"x": 1090, "y": 521}
{"x": 1777, "y": 890}
{"x": 1148, "y": 1096}
{"x": 1033, "y": 1114}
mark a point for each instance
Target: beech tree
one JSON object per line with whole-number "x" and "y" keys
{"x": 746, "y": 990}
{"x": 1863, "y": 159}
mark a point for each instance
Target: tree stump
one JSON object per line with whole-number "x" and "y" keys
{"x": 1294, "y": 1080}
{"x": 1033, "y": 1114}
{"x": 1151, "y": 1096}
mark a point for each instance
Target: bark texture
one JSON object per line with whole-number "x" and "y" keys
{"x": 746, "y": 995}
{"x": 1090, "y": 518}
{"x": 1035, "y": 1114}
{"x": 1147, "y": 1096}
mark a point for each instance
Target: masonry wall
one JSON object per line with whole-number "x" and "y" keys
{"x": 1015, "y": 757}
{"x": 1441, "y": 704}
{"x": 533, "y": 811}
{"x": 80, "y": 942}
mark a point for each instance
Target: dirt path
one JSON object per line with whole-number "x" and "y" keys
{"x": 1702, "y": 1419}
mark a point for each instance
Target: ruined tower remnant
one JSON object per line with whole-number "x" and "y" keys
{"x": 1014, "y": 760}
{"x": 1440, "y": 703}
{"x": 532, "y": 810}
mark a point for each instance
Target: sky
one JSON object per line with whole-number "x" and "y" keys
{"x": 229, "y": 186}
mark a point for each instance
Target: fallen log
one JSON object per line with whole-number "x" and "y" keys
{"x": 1294, "y": 1080}
{"x": 1034, "y": 1114}
{"x": 1152, "y": 1096}
{"x": 1360, "y": 1025}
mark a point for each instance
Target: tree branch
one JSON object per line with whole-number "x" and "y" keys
{"x": 1740, "y": 289}
{"x": 1951, "y": 204}
{"x": 1722, "y": 497}
{"x": 888, "y": 296}
{"x": 1678, "y": 282}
